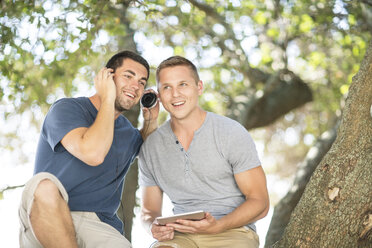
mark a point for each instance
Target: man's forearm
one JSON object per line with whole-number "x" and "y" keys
{"x": 248, "y": 212}
{"x": 148, "y": 128}
{"x": 147, "y": 220}
{"x": 100, "y": 135}
{"x": 92, "y": 144}
{"x": 97, "y": 139}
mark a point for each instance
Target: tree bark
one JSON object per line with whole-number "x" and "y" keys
{"x": 128, "y": 200}
{"x": 336, "y": 207}
{"x": 284, "y": 208}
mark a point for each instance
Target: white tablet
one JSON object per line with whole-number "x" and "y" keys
{"x": 197, "y": 215}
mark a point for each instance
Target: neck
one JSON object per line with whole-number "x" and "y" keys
{"x": 96, "y": 101}
{"x": 189, "y": 124}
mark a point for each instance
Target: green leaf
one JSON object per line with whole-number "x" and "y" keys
{"x": 351, "y": 19}
{"x": 178, "y": 50}
{"x": 273, "y": 32}
{"x": 260, "y": 18}
{"x": 344, "y": 89}
{"x": 306, "y": 23}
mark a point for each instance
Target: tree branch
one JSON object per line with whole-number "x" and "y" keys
{"x": 368, "y": 2}
{"x": 283, "y": 92}
{"x": 254, "y": 75}
{"x": 10, "y": 188}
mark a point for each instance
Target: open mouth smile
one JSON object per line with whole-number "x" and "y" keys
{"x": 129, "y": 94}
{"x": 176, "y": 104}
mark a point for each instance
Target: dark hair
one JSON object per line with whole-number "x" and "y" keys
{"x": 117, "y": 60}
{"x": 176, "y": 61}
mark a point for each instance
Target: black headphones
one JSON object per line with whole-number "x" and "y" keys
{"x": 148, "y": 100}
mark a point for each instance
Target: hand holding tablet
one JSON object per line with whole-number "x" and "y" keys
{"x": 197, "y": 215}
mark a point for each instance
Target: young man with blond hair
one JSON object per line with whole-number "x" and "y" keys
{"x": 202, "y": 161}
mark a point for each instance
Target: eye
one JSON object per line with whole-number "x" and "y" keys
{"x": 143, "y": 83}
{"x": 128, "y": 76}
{"x": 183, "y": 84}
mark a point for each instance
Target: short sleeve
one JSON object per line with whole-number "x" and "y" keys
{"x": 145, "y": 178}
{"x": 240, "y": 149}
{"x": 64, "y": 116}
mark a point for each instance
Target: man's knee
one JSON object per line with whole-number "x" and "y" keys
{"x": 163, "y": 246}
{"x": 159, "y": 245}
{"x": 47, "y": 193}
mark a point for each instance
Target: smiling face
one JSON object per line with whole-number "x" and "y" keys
{"x": 130, "y": 80}
{"x": 179, "y": 92}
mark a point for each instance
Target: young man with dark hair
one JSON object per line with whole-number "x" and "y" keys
{"x": 85, "y": 149}
{"x": 202, "y": 161}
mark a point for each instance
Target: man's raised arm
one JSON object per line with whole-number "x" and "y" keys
{"x": 92, "y": 144}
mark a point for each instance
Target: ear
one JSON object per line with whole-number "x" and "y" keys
{"x": 158, "y": 94}
{"x": 200, "y": 87}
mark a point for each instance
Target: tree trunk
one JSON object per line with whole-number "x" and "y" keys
{"x": 128, "y": 200}
{"x": 284, "y": 208}
{"x": 336, "y": 207}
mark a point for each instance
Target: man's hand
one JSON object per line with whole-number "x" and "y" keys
{"x": 105, "y": 85}
{"x": 162, "y": 233}
{"x": 150, "y": 117}
{"x": 151, "y": 114}
{"x": 208, "y": 225}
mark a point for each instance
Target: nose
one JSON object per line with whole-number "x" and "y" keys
{"x": 135, "y": 84}
{"x": 175, "y": 92}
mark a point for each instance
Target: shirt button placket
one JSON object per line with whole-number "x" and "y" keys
{"x": 187, "y": 168}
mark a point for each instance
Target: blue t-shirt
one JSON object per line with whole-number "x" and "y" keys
{"x": 90, "y": 188}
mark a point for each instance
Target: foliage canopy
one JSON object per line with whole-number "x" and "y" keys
{"x": 244, "y": 50}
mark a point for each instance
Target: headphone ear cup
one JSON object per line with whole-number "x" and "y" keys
{"x": 148, "y": 100}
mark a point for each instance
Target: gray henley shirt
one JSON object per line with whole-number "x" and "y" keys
{"x": 201, "y": 178}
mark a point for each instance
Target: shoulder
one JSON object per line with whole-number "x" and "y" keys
{"x": 61, "y": 102}
{"x": 223, "y": 122}
{"x": 161, "y": 134}
{"x": 68, "y": 110}
{"x": 70, "y": 100}
{"x": 68, "y": 103}
{"x": 227, "y": 132}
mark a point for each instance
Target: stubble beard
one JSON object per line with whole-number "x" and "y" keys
{"x": 122, "y": 105}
